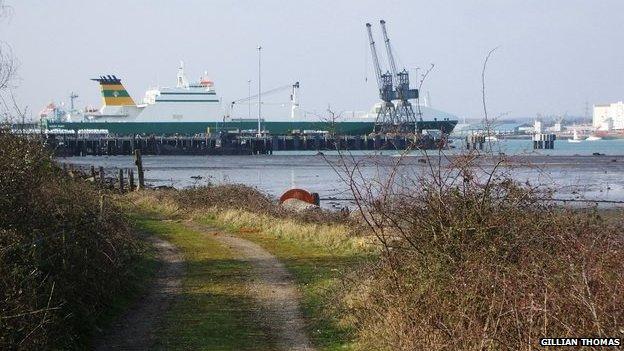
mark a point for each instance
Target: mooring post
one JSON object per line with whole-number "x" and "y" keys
{"x": 121, "y": 181}
{"x": 317, "y": 199}
{"x": 101, "y": 205}
{"x": 139, "y": 165}
{"x": 93, "y": 173}
{"x": 102, "y": 178}
{"x": 130, "y": 180}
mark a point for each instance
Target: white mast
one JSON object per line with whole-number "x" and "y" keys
{"x": 259, "y": 91}
{"x": 249, "y": 97}
{"x": 182, "y": 81}
{"x": 294, "y": 100}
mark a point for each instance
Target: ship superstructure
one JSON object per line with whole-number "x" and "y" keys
{"x": 186, "y": 102}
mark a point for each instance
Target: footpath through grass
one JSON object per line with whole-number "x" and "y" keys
{"x": 316, "y": 253}
{"x": 213, "y": 312}
{"x": 316, "y": 269}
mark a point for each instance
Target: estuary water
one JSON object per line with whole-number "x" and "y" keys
{"x": 572, "y": 169}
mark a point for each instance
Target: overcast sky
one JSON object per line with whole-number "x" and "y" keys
{"x": 553, "y": 56}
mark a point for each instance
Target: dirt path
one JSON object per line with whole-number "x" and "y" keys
{"x": 135, "y": 329}
{"x": 273, "y": 287}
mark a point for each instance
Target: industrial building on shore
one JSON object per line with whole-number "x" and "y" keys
{"x": 609, "y": 117}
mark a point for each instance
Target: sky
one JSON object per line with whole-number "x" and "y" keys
{"x": 552, "y": 56}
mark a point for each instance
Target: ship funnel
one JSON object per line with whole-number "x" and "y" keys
{"x": 113, "y": 92}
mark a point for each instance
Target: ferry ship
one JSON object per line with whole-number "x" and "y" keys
{"x": 192, "y": 108}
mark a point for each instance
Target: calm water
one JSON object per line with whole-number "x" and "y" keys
{"x": 570, "y": 169}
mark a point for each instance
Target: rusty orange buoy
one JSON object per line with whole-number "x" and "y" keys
{"x": 300, "y": 194}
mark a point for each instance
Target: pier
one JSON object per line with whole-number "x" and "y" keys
{"x": 544, "y": 141}
{"x": 84, "y": 145}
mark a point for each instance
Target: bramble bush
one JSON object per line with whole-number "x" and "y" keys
{"x": 66, "y": 254}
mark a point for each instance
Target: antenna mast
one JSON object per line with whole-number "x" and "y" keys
{"x": 72, "y": 97}
{"x": 294, "y": 100}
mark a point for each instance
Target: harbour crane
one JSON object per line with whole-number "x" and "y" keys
{"x": 386, "y": 113}
{"x": 394, "y": 85}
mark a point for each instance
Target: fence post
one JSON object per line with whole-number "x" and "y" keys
{"x": 121, "y": 181}
{"x": 102, "y": 176}
{"x": 139, "y": 165}
{"x": 317, "y": 199}
{"x": 101, "y": 205}
{"x": 130, "y": 180}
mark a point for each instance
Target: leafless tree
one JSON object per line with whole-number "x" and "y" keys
{"x": 8, "y": 68}
{"x": 7, "y": 60}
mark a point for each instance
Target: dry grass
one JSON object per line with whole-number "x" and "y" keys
{"x": 244, "y": 209}
{"x": 248, "y": 199}
{"x": 336, "y": 237}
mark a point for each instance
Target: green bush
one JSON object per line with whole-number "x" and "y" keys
{"x": 65, "y": 253}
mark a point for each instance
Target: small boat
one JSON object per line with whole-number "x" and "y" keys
{"x": 593, "y": 138}
{"x": 491, "y": 138}
{"x": 576, "y": 138}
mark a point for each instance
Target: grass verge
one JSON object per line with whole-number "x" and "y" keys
{"x": 142, "y": 274}
{"x": 212, "y": 312}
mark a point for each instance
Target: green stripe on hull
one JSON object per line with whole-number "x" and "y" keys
{"x": 168, "y": 100}
{"x": 185, "y": 93}
{"x": 275, "y": 128}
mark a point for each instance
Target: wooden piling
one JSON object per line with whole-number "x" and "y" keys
{"x": 102, "y": 177}
{"x": 138, "y": 161}
{"x": 317, "y": 199}
{"x": 121, "y": 181}
{"x": 130, "y": 180}
{"x": 101, "y": 206}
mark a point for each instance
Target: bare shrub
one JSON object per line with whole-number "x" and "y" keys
{"x": 473, "y": 260}
{"x": 8, "y": 63}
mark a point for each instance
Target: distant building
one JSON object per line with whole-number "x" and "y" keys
{"x": 609, "y": 116}
{"x": 557, "y": 127}
{"x": 495, "y": 128}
